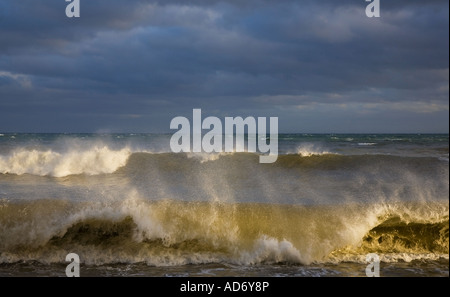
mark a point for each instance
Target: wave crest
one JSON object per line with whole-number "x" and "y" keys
{"x": 95, "y": 160}
{"x": 308, "y": 150}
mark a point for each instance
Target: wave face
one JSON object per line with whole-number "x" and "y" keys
{"x": 104, "y": 173}
{"x": 167, "y": 233}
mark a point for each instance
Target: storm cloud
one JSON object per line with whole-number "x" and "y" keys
{"x": 131, "y": 66}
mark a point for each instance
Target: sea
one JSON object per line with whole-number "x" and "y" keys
{"x": 128, "y": 206}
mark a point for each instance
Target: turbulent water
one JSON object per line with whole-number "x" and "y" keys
{"x": 128, "y": 206}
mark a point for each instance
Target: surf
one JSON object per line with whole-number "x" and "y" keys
{"x": 92, "y": 161}
{"x": 102, "y": 159}
{"x": 168, "y": 233}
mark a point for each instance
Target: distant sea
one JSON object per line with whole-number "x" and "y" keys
{"x": 128, "y": 206}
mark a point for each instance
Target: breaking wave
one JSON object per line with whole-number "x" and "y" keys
{"x": 104, "y": 160}
{"x": 167, "y": 232}
{"x": 95, "y": 160}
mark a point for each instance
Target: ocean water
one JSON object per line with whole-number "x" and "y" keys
{"x": 128, "y": 206}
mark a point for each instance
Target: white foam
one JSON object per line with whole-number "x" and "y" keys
{"x": 91, "y": 161}
{"x": 268, "y": 249}
{"x": 385, "y": 258}
{"x": 309, "y": 149}
{"x": 446, "y": 159}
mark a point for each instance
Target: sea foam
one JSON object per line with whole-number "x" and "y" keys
{"x": 92, "y": 161}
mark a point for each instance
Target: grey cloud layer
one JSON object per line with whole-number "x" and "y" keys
{"x": 125, "y": 64}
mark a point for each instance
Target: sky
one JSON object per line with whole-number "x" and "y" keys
{"x": 320, "y": 66}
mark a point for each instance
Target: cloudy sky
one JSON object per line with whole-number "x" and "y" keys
{"x": 321, "y": 66}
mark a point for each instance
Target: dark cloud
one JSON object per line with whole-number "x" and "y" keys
{"x": 133, "y": 65}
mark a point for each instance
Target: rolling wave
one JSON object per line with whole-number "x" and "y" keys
{"x": 167, "y": 232}
{"x": 104, "y": 160}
